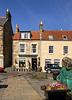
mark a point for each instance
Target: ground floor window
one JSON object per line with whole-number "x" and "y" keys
{"x": 47, "y": 61}
{"x": 22, "y": 62}
{"x": 57, "y": 61}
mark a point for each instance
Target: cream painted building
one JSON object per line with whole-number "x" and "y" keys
{"x": 54, "y": 51}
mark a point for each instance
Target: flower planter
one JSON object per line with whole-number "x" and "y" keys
{"x": 56, "y": 94}
{"x": 55, "y": 91}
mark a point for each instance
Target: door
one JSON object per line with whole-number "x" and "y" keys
{"x": 34, "y": 60}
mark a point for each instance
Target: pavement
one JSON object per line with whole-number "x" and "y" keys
{"x": 18, "y": 88}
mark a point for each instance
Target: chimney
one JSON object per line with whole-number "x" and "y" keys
{"x": 8, "y": 15}
{"x": 17, "y": 28}
{"x": 61, "y": 29}
{"x": 41, "y": 27}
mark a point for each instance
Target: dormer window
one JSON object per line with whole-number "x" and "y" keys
{"x": 25, "y": 35}
{"x": 50, "y": 37}
{"x": 64, "y": 37}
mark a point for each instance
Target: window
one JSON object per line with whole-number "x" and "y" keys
{"x": 64, "y": 37}
{"x": 50, "y": 37}
{"x": 22, "y": 48}
{"x": 50, "y": 49}
{"x": 25, "y": 35}
{"x": 65, "y": 49}
{"x": 22, "y": 62}
{"x": 34, "y": 48}
{"x": 47, "y": 61}
{"x": 57, "y": 61}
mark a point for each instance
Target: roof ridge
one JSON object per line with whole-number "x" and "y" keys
{"x": 2, "y": 17}
{"x": 57, "y": 30}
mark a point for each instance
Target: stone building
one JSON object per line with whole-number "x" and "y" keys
{"x": 26, "y": 49}
{"x": 6, "y": 40}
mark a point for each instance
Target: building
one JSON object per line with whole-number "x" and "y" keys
{"x": 55, "y": 45}
{"x": 26, "y": 49}
{"x": 42, "y": 47}
{"x": 6, "y": 40}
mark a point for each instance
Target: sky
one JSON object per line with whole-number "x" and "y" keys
{"x": 55, "y": 14}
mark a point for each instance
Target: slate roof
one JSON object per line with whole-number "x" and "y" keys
{"x": 2, "y": 20}
{"x": 57, "y": 35}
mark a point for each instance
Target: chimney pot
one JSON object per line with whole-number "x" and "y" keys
{"x": 41, "y": 26}
{"x": 17, "y": 28}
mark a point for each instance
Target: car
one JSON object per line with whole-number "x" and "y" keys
{"x": 52, "y": 68}
{"x": 1, "y": 69}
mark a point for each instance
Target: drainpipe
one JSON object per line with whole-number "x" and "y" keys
{"x": 40, "y": 47}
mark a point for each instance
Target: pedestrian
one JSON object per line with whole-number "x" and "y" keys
{"x": 35, "y": 67}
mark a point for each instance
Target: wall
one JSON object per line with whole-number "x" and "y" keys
{"x": 1, "y": 40}
{"x": 8, "y": 44}
{"x": 58, "y": 51}
{"x": 16, "y": 49}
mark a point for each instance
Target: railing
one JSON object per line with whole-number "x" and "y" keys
{"x": 21, "y": 69}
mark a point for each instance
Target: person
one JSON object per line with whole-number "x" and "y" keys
{"x": 35, "y": 67}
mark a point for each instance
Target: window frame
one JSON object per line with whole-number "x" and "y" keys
{"x": 52, "y": 50}
{"x": 22, "y": 48}
{"x": 34, "y": 48}
{"x": 25, "y": 35}
{"x": 48, "y": 60}
{"x": 50, "y": 37}
{"x": 64, "y": 51}
{"x": 56, "y": 61}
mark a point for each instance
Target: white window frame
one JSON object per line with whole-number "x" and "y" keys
{"x": 25, "y": 35}
{"x": 57, "y": 61}
{"x": 22, "y": 48}
{"x": 65, "y": 51}
{"x": 48, "y": 60}
{"x": 50, "y": 37}
{"x": 49, "y": 50}
{"x": 34, "y": 48}
{"x": 64, "y": 38}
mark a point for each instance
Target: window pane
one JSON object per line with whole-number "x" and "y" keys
{"x": 57, "y": 61}
{"x": 34, "y": 48}
{"x": 47, "y": 61}
{"x": 65, "y": 49}
{"x": 22, "y": 47}
{"x": 50, "y": 49}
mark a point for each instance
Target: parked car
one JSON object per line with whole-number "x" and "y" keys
{"x": 1, "y": 69}
{"x": 52, "y": 68}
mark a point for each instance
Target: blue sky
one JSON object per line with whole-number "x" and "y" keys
{"x": 28, "y": 14}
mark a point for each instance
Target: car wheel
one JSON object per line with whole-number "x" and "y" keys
{"x": 49, "y": 71}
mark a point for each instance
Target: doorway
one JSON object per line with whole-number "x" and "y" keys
{"x": 34, "y": 60}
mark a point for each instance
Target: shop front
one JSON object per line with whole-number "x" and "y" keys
{"x": 26, "y": 62}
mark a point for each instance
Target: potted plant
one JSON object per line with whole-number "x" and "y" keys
{"x": 55, "y": 91}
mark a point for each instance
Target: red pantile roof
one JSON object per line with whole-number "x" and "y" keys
{"x": 57, "y": 35}
{"x": 16, "y": 36}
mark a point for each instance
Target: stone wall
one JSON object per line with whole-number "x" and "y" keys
{"x": 28, "y": 43}
{"x": 1, "y": 40}
{"x": 8, "y": 44}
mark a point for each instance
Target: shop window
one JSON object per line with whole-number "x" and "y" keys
{"x": 22, "y": 63}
